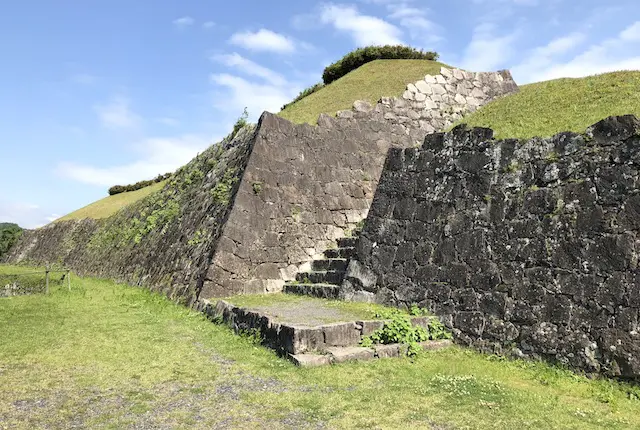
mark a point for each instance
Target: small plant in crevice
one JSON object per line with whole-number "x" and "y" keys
{"x": 399, "y": 329}
{"x": 295, "y": 213}
{"x": 240, "y": 123}
{"x": 257, "y": 187}
{"x": 221, "y": 193}
{"x": 198, "y": 237}
{"x": 552, "y": 157}
{"x": 513, "y": 167}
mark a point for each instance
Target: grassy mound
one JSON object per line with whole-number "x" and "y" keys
{"x": 109, "y": 205}
{"x": 547, "y": 108}
{"x": 379, "y": 78}
{"x": 105, "y": 355}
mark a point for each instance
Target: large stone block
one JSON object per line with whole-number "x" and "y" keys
{"x": 341, "y": 334}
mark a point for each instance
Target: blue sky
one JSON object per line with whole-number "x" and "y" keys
{"x": 96, "y": 93}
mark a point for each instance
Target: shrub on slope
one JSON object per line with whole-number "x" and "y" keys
{"x": 9, "y": 235}
{"x": 361, "y": 56}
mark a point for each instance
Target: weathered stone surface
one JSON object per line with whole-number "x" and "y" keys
{"x": 368, "y": 327}
{"x": 340, "y": 355}
{"x": 310, "y": 360}
{"x": 512, "y": 258}
{"x": 387, "y": 351}
{"x": 277, "y": 215}
{"x": 362, "y": 106}
{"x": 341, "y": 334}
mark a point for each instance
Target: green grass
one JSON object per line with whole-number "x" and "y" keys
{"x": 108, "y": 206}
{"x": 379, "y": 78}
{"x": 112, "y": 356}
{"x": 546, "y": 108}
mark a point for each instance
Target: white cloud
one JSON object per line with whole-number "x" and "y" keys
{"x": 184, "y": 22}
{"x": 486, "y": 51}
{"x": 158, "y": 155}
{"x": 255, "y": 96}
{"x": 542, "y": 57}
{"x": 209, "y": 24}
{"x": 617, "y": 53}
{"x": 631, "y": 33}
{"x": 263, "y": 40}
{"x": 249, "y": 67}
{"x": 26, "y": 215}
{"x": 364, "y": 29}
{"x": 117, "y": 113}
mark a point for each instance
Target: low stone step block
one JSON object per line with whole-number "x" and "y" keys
{"x": 433, "y": 345}
{"x": 368, "y": 327}
{"x": 341, "y": 334}
{"x": 349, "y": 252}
{"x": 340, "y": 355}
{"x": 387, "y": 351}
{"x": 300, "y": 339}
{"x": 335, "y": 264}
{"x": 326, "y": 277}
{"x": 347, "y": 242}
{"x": 323, "y": 291}
{"x": 310, "y": 360}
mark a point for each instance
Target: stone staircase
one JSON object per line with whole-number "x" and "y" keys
{"x": 326, "y": 275}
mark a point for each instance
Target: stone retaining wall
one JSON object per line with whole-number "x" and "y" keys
{"x": 437, "y": 101}
{"x": 529, "y": 248}
{"x": 247, "y": 214}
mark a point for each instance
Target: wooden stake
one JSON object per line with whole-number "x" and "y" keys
{"x": 46, "y": 277}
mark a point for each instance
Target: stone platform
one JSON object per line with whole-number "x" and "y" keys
{"x": 294, "y": 331}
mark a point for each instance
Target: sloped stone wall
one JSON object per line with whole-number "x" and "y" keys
{"x": 529, "y": 248}
{"x": 302, "y": 188}
{"x": 165, "y": 241}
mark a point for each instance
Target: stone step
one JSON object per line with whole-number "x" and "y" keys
{"x": 347, "y": 252}
{"x": 334, "y": 355}
{"x": 320, "y": 277}
{"x": 323, "y": 291}
{"x": 330, "y": 339}
{"x": 347, "y": 242}
{"x": 336, "y": 264}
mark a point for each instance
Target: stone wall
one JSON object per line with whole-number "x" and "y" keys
{"x": 437, "y": 101}
{"x": 305, "y": 185}
{"x": 164, "y": 241}
{"x": 528, "y": 248}
{"x": 302, "y": 187}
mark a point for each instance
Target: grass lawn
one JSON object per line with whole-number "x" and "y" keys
{"x": 112, "y": 356}
{"x": 107, "y": 206}
{"x": 546, "y": 108}
{"x": 379, "y": 78}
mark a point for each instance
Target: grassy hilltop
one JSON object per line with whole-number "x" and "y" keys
{"x": 549, "y": 107}
{"x": 379, "y": 78}
{"x": 109, "y": 205}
